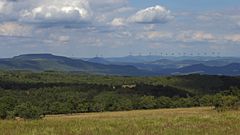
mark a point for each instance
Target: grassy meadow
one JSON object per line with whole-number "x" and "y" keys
{"x": 143, "y": 122}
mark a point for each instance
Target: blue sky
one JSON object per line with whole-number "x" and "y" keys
{"x": 190, "y": 5}
{"x": 86, "y": 28}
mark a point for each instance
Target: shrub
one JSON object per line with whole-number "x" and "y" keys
{"x": 11, "y": 115}
{"x": 28, "y": 111}
{"x": 147, "y": 102}
{"x": 206, "y": 100}
{"x": 7, "y": 104}
{"x": 82, "y": 107}
{"x": 3, "y": 111}
{"x": 60, "y": 108}
{"x": 164, "y": 102}
{"x": 223, "y": 103}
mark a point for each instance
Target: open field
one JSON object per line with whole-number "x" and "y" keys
{"x": 144, "y": 122}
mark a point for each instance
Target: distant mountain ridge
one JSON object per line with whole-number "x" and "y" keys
{"x": 99, "y": 60}
{"x": 43, "y": 62}
{"x": 107, "y": 66}
{"x": 231, "y": 69}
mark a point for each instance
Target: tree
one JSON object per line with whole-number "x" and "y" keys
{"x": 97, "y": 107}
{"x": 28, "y": 111}
{"x": 82, "y": 107}
{"x": 147, "y": 102}
{"x": 7, "y": 105}
{"x": 206, "y": 100}
{"x": 3, "y": 111}
{"x": 164, "y": 102}
{"x": 60, "y": 108}
{"x": 111, "y": 101}
{"x": 223, "y": 103}
{"x": 9, "y": 102}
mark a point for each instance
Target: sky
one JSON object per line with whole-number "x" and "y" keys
{"x": 111, "y": 28}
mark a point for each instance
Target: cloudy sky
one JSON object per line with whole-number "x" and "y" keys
{"x": 86, "y": 28}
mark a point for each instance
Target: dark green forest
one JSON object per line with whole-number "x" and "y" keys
{"x": 32, "y": 95}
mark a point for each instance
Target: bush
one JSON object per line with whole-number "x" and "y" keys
{"x": 223, "y": 103}
{"x": 82, "y": 107}
{"x": 164, "y": 102}
{"x": 7, "y": 104}
{"x": 147, "y": 102}
{"x": 11, "y": 115}
{"x": 236, "y": 106}
{"x": 28, "y": 111}
{"x": 3, "y": 111}
{"x": 60, "y": 108}
{"x": 206, "y": 100}
{"x": 97, "y": 107}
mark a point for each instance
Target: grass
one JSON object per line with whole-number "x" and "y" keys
{"x": 199, "y": 121}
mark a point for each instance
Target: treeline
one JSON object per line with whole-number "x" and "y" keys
{"x": 33, "y": 99}
{"x": 34, "y": 104}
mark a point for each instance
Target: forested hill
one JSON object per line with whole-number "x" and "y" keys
{"x": 195, "y": 84}
{"x": 162, "y": 67}
{"x": 30, "y": 95}
{"x": 46, "y": 62}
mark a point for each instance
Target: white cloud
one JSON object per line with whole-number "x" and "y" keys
{"x": 57, "y": 11}
{"x": 155, "y": 35}
{"x": 6, "y": 10}
{"x": 196, "y": 36}
{"x": 2, "y": 3}
{"x": 202, "y": 36}
{"x": 62, "y": 12}
{"x": 211, "y": 16}
{"x": 118, "y": 22}
{"x": 233, "y": 38}
{"x": 57, "y": 40}
{"x": 14, "y": 29}
{"x": 157, "y": 14}
{"x": 63, "y": 39}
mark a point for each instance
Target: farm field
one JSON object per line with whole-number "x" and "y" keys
{"x": 186, "y": 121}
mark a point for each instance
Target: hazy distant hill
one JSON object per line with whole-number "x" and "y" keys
{"x": 231, "y": 69}
{"x": 43, "y": 62}
{"x": 124, "y": 66}
{"x": 99, "y": 60}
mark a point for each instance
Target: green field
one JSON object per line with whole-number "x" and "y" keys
{"x": 143, "y": 122}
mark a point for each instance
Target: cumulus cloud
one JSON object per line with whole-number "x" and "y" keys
{"x": 62, "y": 12}
{"x": 1, "y": 5}
{"x": 212, "y": 16}
{"x": 14, "y": 29}
{"x": 57, "y": 11}
{"x": 118, "y": 22}
{"x": 60, "y": 39}
{"x": 5, "y": 10}
{"x": 155, "y": 35}
{"x": 196, "y": 36}
{"x": 233, "y": 38}
{"x": 152, "y": 15}
{"x": 63, "y": 39}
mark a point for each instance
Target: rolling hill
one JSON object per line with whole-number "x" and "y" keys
{"x": 44, "y": 62}
{"x": 107, "y": 66}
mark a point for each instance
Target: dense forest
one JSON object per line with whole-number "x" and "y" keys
{"x": 32, "y": 95}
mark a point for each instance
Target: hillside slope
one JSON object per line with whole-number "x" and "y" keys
{"x": 43, "y": 62}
